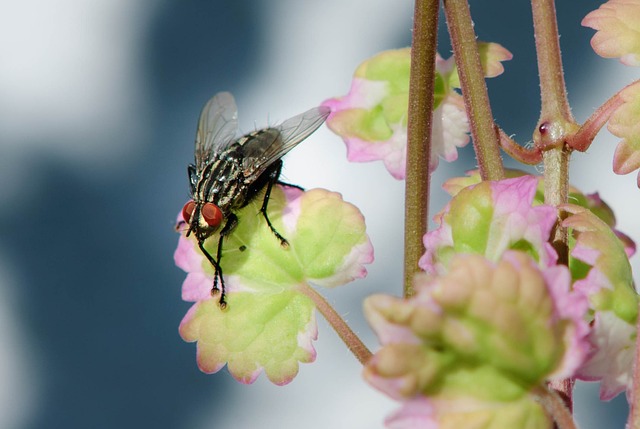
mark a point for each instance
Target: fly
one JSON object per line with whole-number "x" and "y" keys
{"x": 230, "y": 172}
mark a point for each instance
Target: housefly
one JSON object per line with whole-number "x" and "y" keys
{"x": 229, "y": 172}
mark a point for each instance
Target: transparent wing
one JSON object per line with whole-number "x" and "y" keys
{"x": 271, "y": 144}
{"x": 217, "y": 127}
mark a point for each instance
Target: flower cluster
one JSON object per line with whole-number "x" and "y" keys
{"x": 512, "y": 293}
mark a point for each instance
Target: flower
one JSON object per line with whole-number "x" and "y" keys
{"x": 328, "y": 246}
{"x": 473, "y": 344}
{"x": 607, "y": 281}
{"x": 489, "y": 218}
{"x": 372, "y": 117}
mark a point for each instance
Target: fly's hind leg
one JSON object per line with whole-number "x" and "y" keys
{"x": 289, "y": 185}
{"x": 272, "y": 179}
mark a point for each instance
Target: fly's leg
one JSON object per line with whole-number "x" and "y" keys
{"x": 272, "y": 179}
{"x": 217, "y": 272}
{"x": 231, "y": 223}
{"x": 289, "y": 185}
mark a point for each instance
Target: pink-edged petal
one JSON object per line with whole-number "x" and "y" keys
{"x": 197, "y": 285}
{"x": 570, "y": 305}
{"x": 609, "y": 286}
{"x": 618, "y": 30}
{"x": 243, "y": 335}
{"x": 624, "y": 124}
{"x": 417, "y": 413}
{"x": 613, "y": 355}
{"x": 491, "y": 57}
{"x": 450, "y": 129}
{"x": 489, "y": 218}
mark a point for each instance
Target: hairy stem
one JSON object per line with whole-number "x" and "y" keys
{"x": 554, "y": 405}
{"x": 556, "y": 192}
{"x": 353, "y": 342}
{"x": 555, "y": 126}
{"x": 588, "y": 131}
{"x": 418, "y": 178}
{"x": 552, "y": 88}
{"x": 474, "y": 89}
{"x": 525, "y": 155}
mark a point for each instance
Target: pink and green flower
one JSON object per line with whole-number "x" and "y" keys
{"x": 269, "y": 324}
{"x": 372, "y": 117}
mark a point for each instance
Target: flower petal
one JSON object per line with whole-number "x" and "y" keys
{"x": 609, "y": 286}
{"x": 243, "y": 335}
{"x": 473, "y": 345}
{"x": 489, "y": 218}
{"x": 327, "y": 245}
{"x": 624, "y": 124}
{"x": 618, "y": 24}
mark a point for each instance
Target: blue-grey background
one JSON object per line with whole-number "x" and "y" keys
{"x": 98, "y": 107}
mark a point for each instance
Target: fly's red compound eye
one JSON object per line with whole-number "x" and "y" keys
{"x": 212, "y": 214}
{"x": 187, "y": 211}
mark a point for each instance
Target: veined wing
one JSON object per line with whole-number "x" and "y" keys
{"x": 217, "y": 127}
{"x": 265, "y": 147}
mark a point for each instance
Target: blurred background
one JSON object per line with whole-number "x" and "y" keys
{"x": 98, "y": 108}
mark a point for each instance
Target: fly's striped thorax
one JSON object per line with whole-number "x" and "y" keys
{"x": 222, "y": 182}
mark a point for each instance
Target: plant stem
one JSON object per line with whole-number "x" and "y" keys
{"x": 525, "y": 155}
{"x": 554, "y": 405}
{"x": 556, "y": 192}
{"x": 556, "y": 123}
{"x": 555, "y": 126}
{"x": 552, "y": 88}
{"x": 474, "y": 89}
{"x": 588, "y": 131}
{"x": 418, "y": 178}
{"x": 343, "y": 330}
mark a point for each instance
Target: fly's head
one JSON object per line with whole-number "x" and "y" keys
{"x": 203, "y": 218}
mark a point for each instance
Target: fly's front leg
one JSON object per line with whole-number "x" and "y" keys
{"x": 217, "y": 271}
{"x": 231, "y": 223}
{"x": 274, "y": 174}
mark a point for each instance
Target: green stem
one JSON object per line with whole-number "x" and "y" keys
{"x": 556, "y": 192}
{"x": 474, "y": 89}
{"x": 353, "y": 342}
{"x": 418, "y": 179}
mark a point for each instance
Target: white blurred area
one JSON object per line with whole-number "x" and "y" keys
{"x": 72, "y": 70}
{"x": 70, "y": 73}
{"x": 19, "y": 381}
